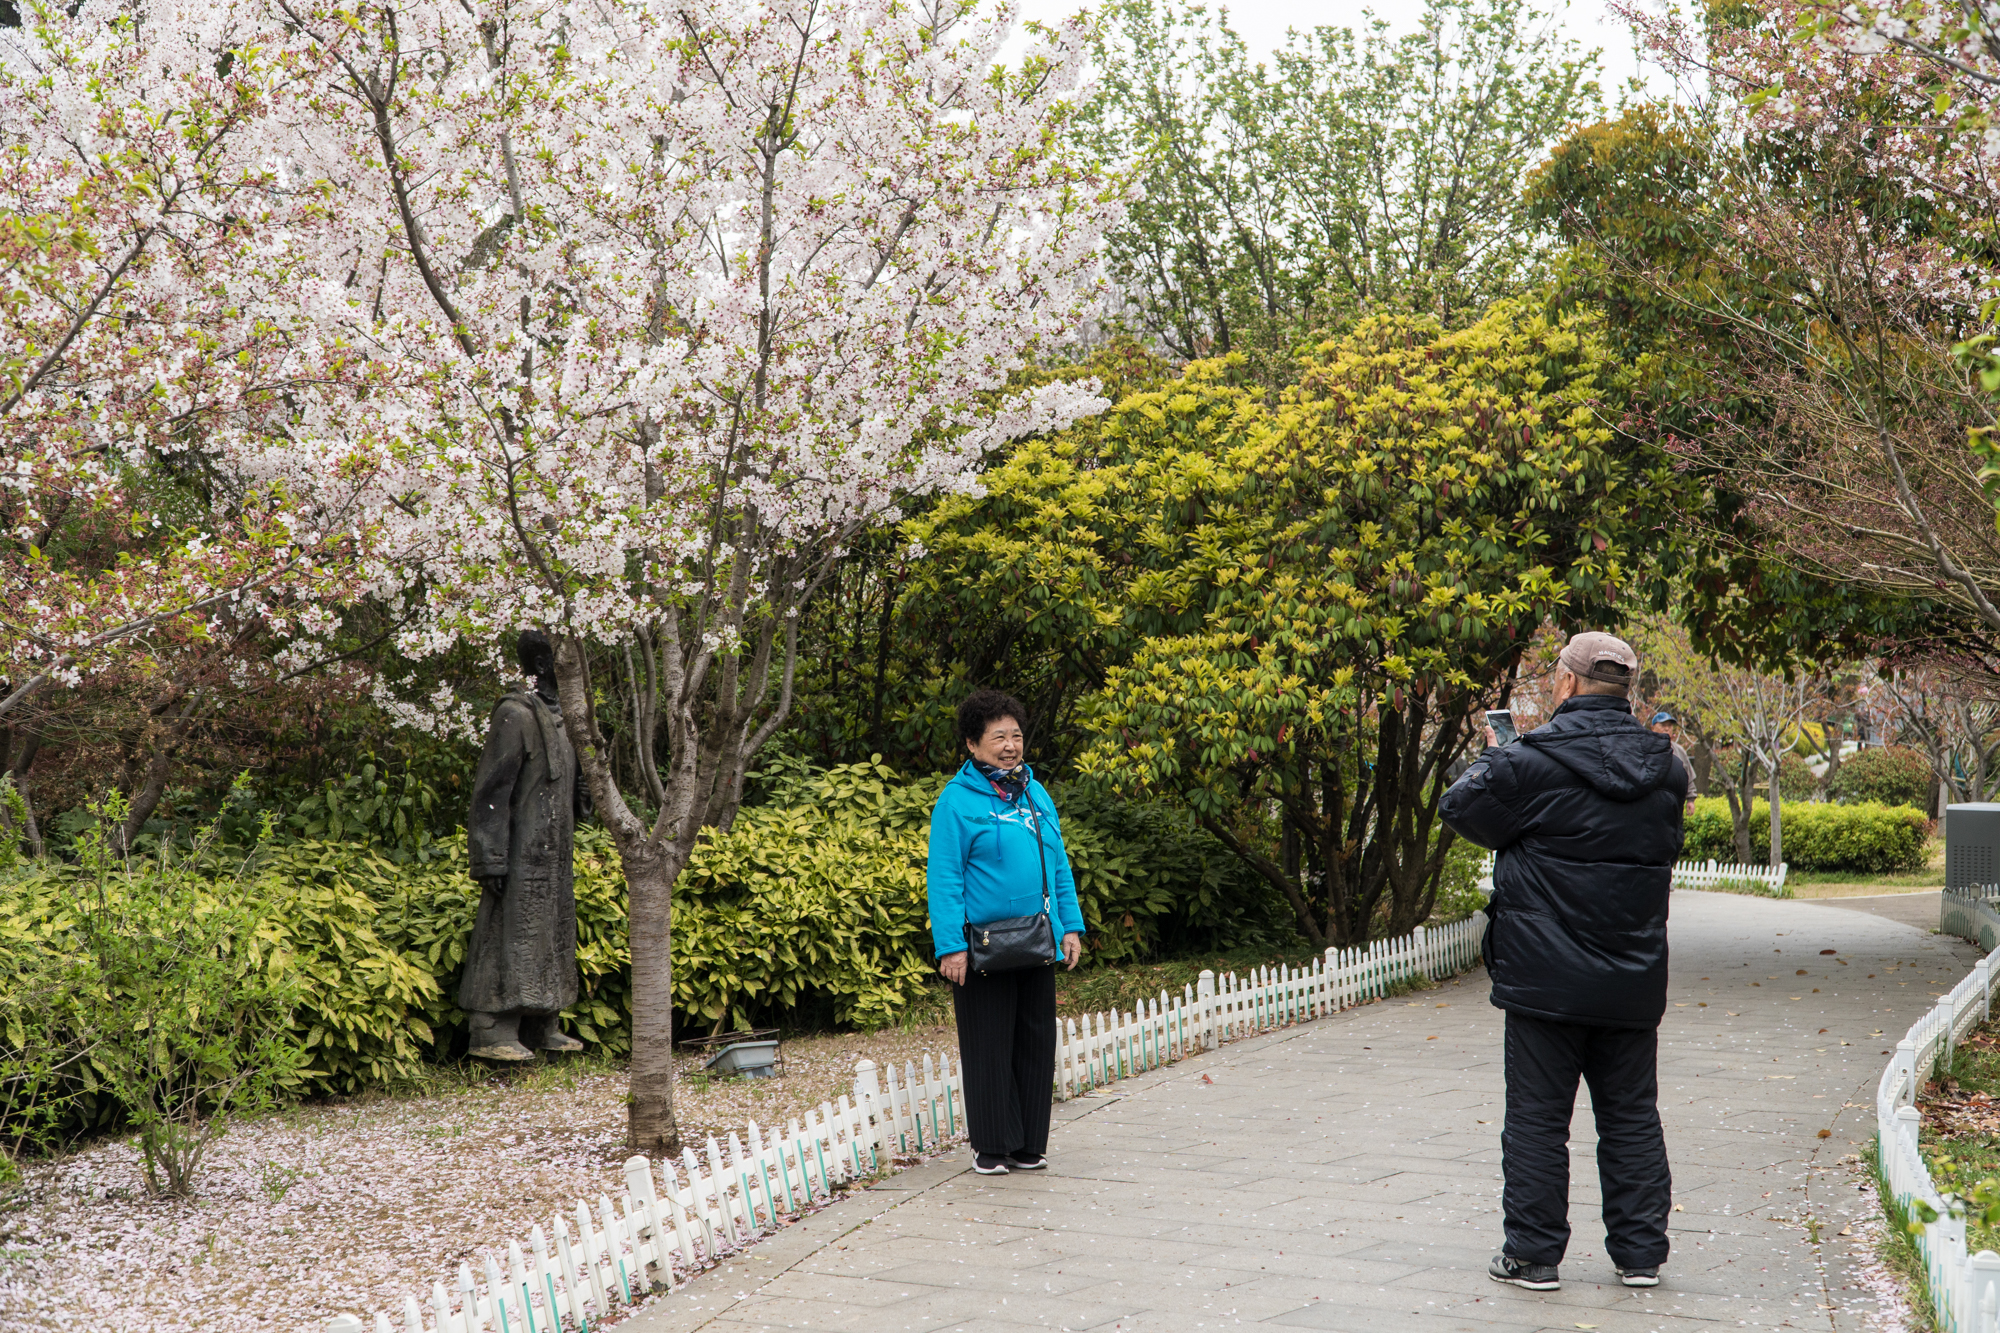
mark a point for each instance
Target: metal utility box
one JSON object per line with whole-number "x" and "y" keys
{"x": 1972, "y": 846}
{"x": 751, "y": 1059}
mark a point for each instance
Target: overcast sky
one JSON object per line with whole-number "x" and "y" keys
{"x": 1263, "y": 23}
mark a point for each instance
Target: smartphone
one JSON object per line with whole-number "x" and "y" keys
{"x": 1502, "y": 722}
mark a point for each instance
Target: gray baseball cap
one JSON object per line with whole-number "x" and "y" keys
{"x": 1590, "y": 654}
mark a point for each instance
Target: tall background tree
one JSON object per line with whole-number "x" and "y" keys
{"x": 1353, "y": 172}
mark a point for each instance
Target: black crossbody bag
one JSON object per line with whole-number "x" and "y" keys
{"x": 1016, "y": 942}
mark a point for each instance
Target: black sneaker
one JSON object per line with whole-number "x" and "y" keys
{"x": 1027, "y": 1161}
{"x": 990, "y": 1166}
{"x": 1639, "y": 1277}
{"x": 1535, "y": 1277}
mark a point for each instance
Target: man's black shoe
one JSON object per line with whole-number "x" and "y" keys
{"x": 1639, "y": 1277}
{"x": 987, "y": 1165}
{"x": 1535, "y": 1277}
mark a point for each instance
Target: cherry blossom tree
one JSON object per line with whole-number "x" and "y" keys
{"x": 1805, "y": 239}
{"x": 163, "y": 389}
{"x": 668, "y": 304}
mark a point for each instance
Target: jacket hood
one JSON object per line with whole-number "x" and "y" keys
{"x": 1597, "y": 738}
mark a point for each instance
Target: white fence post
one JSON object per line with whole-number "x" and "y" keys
{"x": 1204, "y": 989}
{"x": 343, "y": 1323}
{"x": 1905, "y": 1059}
{"x": 1985, "y": 1290}
{"x": 1908, "y": 1121}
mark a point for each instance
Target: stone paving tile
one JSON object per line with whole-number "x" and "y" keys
{"x": 1336, "y": 1175}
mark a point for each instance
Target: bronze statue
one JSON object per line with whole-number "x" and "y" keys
{"x": 520, "y": 968}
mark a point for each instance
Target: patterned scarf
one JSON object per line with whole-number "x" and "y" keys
{"x": 1008, "y": 782}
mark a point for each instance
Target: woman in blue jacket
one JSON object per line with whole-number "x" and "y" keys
{"x": 997, "y": 852}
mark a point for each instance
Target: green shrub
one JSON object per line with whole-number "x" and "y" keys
{"x": 817, "y": 899}
{"x": 152, "y": 991}
{"x": 1865, "y": 838}
{"x": 813, "y": 910}
{"x": 1459, "y": 894}
{"x": 386, "y": 942}
{"x": 1886, "y": 775}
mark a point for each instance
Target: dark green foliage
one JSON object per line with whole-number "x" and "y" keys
{"x": 1867, "y": 838}
{"x": 1887, "y": 775}
{"x": 396, "y": 811}
{"x": 1796, "y": 779}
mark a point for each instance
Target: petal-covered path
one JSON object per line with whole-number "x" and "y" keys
{"x": 1344, "y": 1174}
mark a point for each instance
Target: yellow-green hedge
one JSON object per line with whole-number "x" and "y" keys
{"x": 1863, "y": 837}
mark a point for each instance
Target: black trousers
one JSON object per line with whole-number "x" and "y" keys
{"x": 1621, "y": 1065}
{"x": 1007, "y": 1044}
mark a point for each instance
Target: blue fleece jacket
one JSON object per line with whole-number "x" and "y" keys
{"x": 984, "y": 865}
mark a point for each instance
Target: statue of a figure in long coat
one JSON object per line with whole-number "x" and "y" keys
{"x": 520, "y": 969}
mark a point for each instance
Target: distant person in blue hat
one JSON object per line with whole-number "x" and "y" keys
{"x": 1666, "y": 724}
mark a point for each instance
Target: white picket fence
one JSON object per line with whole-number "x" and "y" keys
{"x": 1965, "y": 1290}
{"x": 692, "y": 1212}
{"x": 1102, "y": 1048}
{"x": 1701, "y": 875}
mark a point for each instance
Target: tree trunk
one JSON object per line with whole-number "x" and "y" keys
{"x": 22, "y": 748}
{"x": 1703, "y": 760}
{"x": 1741, "y": 799}
{"x": 649, "y": 881}
{"x": 36, "y": 848}
{"x": 1833, "y": 757}
{"x": 1777, "y": 821}
{"x": 146, "y": 795}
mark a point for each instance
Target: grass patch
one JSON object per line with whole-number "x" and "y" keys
{"x": 1931, "y": 877}
{"x": 1960, "y": 1138}
{"x": 1750, "y": 888}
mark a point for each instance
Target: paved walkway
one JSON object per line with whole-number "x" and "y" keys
{"x": 1914, "y": 909}
{"x": 1344, "y": 1174}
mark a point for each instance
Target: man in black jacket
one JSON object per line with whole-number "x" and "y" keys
{"x": 1585, "y": 814}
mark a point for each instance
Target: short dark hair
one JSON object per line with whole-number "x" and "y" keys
{"x": 982, "y": 708}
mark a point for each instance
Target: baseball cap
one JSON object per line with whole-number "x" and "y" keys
{"x": 1594, "y": 655}
{"x": 1663, "y": 716}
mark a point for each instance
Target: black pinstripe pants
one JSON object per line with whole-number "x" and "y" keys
{"x": 1007, "y": 1045}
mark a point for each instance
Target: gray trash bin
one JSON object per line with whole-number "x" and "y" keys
{"x": 1972, "y": 846}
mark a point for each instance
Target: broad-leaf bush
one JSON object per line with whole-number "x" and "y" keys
{"x": 1863, "y": 837}
{"x": 1325, "y": 589}
{"x": 810, "y": 911}
{"x": 1887, "y": 775}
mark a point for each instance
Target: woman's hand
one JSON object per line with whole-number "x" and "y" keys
{"x": 952, "y": 965}
{"x": 1073, "y": 949}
